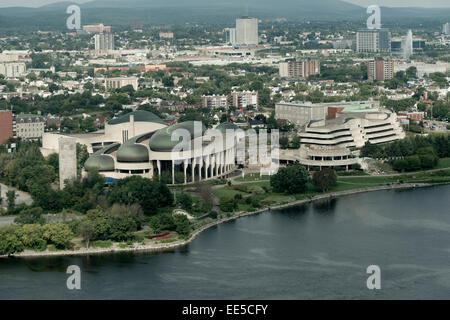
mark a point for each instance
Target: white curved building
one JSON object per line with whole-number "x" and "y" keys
{"x": 353, "y": 130}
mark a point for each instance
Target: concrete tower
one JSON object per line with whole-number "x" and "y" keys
{"x": 67, "y": 160}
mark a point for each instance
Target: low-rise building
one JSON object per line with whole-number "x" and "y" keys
{"x": 13, "y": 69}
{"x": 299, "y": 113}
{"x": 117, "y": 83}
{"x": 215, "y": 101}
{"x": 244, "y": 99}
{"x": 30, "y": 126}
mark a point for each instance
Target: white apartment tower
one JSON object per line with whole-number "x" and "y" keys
{"x": 247, "y": 31}
{"x": 104, "y": 41}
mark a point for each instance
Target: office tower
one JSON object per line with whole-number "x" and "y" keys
{"x": 104, "y": 41}
{"x": 293, "y": 69}
{"x": 446, "y": 28}
{"x": 247, "y": 31}
{"x": 373, "y": 41}
{"x": 230, "y": 35}
{"x": 380, "y": 69}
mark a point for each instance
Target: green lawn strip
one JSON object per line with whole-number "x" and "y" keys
{"x": 444, "y": 163}
{"x": 344, "y": 184}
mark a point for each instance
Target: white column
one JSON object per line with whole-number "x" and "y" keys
{"x": 193, "y": 169}
{"x": 185, "y": 164}
{"x": 173, "y": 172}
{"x": 158, "y": 164}
{"x": 206, "y": 167}
{"x": 200, "y": 168}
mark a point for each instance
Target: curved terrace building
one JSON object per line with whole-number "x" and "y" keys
{"x": 353, "y": 130}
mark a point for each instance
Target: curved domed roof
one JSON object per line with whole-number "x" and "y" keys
{"x": 139, "y": 116}
{"x": 131, "y": 151}
{"x": 100, "y": 160}
{"x": 161, "y": 141}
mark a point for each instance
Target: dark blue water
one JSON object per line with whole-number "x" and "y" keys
{"x": 316, "y": 251}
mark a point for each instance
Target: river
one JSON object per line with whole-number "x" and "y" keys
{"x": 315, "y": 251}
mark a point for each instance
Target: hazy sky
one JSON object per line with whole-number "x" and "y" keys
{"x": 390, "y": 3}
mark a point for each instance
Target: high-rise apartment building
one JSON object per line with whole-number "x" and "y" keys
{"x": 243, "y": 99}
{"x": 230, "y": 36}
{"x": 215, "y": 101}
{"x": 376, "y": 40}
{"x": 7, "y": 126}
{"x": 247, "y": 31}
{"x": 104, "y": 41}
{"x": 446, "y": 28}
{"x": 380, "y": 69}
{"x": 294, "y": 69}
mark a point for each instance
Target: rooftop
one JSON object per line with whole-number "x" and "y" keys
{"x": 139, "y": 116}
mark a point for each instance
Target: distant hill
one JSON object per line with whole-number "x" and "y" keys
{"x": 120, "y": 12}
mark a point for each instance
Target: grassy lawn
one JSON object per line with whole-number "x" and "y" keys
{"x": 344, "y": 184}
{"x": 444, "y": 163}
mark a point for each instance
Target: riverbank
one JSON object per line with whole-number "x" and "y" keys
{"x": 158, "y": 247}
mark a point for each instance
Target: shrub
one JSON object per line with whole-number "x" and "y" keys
{"x": 213, "y": 214}
{"x": 58, "y": 234}
{"x": 32, "y": 237}
{"x": 227, "y": 204}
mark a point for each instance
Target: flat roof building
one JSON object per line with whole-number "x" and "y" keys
{"x": 299, "y": 113}
{"x": 376, "y": 40}
{"x": 6, "y": 125}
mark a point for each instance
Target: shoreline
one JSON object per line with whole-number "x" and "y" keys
{"x": 197, "y": 232}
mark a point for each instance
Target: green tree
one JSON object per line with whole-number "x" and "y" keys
{"x": 151, "y": 195}
{"x": 291, "y": 180}
{"x": 11, "y": 197}
{"x": 32, "y": 237}
{"x": 58, "y": 234}
{"x": 182, "y": 225}
{"x": 10, "y": 241}
{"x": 324, "y": 179}
{"x": 86, "y": 229}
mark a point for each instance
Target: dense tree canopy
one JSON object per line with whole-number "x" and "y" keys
{"x": 291, "y": 180}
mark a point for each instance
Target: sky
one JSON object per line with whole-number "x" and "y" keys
{"x": 364, "y": 3}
